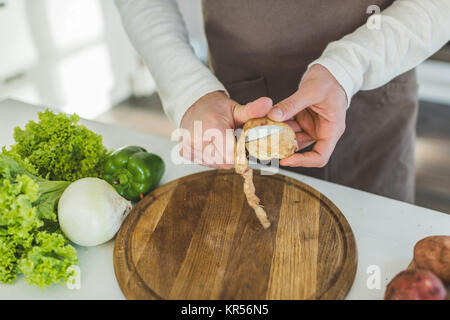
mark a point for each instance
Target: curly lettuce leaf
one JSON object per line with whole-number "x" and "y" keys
{"x": 8, "y": 259}
{"x": 59, "y": 148}
{"x": 18, "y": 217}
{"x": 17, "y": 164}
{"x": 48, "y": 261}
{"x": 29, "y": 242}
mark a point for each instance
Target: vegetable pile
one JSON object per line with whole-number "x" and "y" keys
{"x": 428, "y": 274}
{"x": 51, "y": 193}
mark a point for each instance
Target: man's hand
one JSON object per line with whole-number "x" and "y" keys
{"x": 316, "y": 112}
{"x": 216, "y": 113}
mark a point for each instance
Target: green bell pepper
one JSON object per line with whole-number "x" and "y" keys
{"x": 133, "y": 171}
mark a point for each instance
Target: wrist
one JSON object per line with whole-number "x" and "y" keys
{"x": 328, "y": 80}
{"x": 338, "y": 74}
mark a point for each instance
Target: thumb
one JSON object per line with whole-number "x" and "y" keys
{"x": 255, "y": 109}
{"x": 292, "y": 105}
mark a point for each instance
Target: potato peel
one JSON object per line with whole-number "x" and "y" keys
{"x": 242, "y": 168}
{"x": 280, "y": 145}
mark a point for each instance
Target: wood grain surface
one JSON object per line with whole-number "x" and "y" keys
{"x": 197, "y": 238}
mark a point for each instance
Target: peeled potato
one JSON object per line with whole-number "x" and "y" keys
{"x": 276, "y": 146}
{"x": 433, "y": 253}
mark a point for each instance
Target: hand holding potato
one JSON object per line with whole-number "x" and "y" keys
{"x": 217, "y": 113}
{"x": 276, "y": 146}
{"x": 316, "y": 112}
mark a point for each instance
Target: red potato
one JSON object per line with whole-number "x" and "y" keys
{"x": 433, "y": 253}
{"x": 418, "y": 284}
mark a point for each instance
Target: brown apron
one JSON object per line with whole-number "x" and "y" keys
{"x": 262, "y": 48}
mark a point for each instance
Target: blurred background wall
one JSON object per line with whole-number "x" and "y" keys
{"x": 74, "y": 55}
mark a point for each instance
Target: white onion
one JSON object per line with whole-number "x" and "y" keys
{"x": 90, "y": 211}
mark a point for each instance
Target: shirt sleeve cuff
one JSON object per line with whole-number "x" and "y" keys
{"x": 178, "y": 111}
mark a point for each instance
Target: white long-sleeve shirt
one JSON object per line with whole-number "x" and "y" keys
{"x": 409, "y": 31}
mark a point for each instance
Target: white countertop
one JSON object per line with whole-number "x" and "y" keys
{"x": 385, "y": 229}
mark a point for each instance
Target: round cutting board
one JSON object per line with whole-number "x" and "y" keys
{"x": 197, "y": 238}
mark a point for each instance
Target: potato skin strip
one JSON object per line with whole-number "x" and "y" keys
{"x": 241, "y": 167}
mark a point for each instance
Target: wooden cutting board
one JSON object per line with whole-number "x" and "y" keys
{"x": 197, "y": 238}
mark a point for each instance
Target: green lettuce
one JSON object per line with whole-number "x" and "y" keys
{"x": 59, "y": 148}
{"x": 31, "y": 242}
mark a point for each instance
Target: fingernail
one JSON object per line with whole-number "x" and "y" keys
{"x": 277, "y": 113}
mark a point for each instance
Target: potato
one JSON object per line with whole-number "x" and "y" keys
{"x": 433, "y": 253}
{"x": 277, "y": 146}
{"x": 418, "y": 284}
